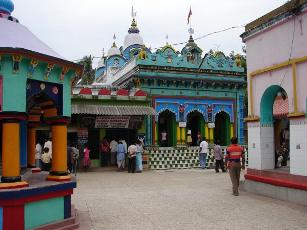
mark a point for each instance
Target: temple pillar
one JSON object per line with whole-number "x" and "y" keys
{"x": 31, "y": 139}
{"x": 183, "y": 135}
{"x": 156, "y": 133}
{"x": 11, "y": 177}
{"x": 178, "y": 134}
{"x": 59, "y": 149}
{"x": 206, "y": 131}
{"x": 211, "y": 135}
{"x": 231, "y": 131}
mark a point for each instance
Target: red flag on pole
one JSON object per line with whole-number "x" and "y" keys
{"x": 190, "y": 13}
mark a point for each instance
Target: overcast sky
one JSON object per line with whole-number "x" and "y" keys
{"x": 75, "y": 28}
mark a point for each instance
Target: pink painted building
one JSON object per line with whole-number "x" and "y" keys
{"x": 276, "y": 47}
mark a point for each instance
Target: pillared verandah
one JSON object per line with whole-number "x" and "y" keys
{"x": 35, "y": 86}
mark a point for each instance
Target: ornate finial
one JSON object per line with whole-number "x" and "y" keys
{"x": 133, "y": 28}
{"x": 133, "y": 14}
{"x": 191, "y": 32}
{"x": 114, "y": 38}
{"x": 166, "y": 38}
{"x": 103, "y": 52}
{"x": 6, "y": 7}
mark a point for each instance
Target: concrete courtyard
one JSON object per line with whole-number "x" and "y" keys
{"x": 177, "y": 199}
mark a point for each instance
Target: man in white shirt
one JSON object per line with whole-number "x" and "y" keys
{"x": 113, "y": 147}
{"x": 203, "y": 153}
{"x": 48, "y": 144}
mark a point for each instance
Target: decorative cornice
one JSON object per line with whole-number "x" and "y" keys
{"x": 252, "y": 119}
{"x": 296, "y": 115}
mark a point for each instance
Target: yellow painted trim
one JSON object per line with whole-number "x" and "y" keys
{"x": 278, "y": 66}
{"x": 211, "y": 135}
{"x": 251, "y": 95}
{"x": 178, "y": 133}
{"x": 251, "y": 119}
{"x": 294, "y": 87}
{"x": 206, "y": 132}
{"x": 183, "y": 135}
{"x": 284, "y": 64}
{"x": 231, "y": 131}
{"x": 14, "y": 185}
{"x": 296, "y": 115}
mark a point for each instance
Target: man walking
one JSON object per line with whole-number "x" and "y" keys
{"x": 203, "y": 153}
{"x": 219, "y": 157}
{"x": 233, "y": 157}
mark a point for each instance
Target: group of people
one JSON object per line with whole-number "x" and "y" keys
{"x": 117, "y": 152}
{"x": 43, "y": 154}
{"x": 234, "y": 159}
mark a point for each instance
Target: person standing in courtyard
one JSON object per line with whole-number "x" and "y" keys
{"x": 105, "y": 152}
{"x": 164, "y": 138}
{"x": 121, "y": 155}
{"x": 234, "y": 154}
{"x": 219, "y": 157}
{"x": 113, "y": 147}
{"x": 203, "y": 153}
{"x": 86, "y": 158}
{"x": 38, "y": 154}
{"x": 139, "y": 159}
{"x": 131, "y": 158}
{"x": 46, "y": 159}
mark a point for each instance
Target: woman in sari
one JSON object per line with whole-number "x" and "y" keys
{"x": 139, "y": 151}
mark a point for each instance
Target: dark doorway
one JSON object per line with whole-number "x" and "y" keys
{"x": 167, "y": 123}
{"x": 222, "y": 128}
{"x": 195, "y": 123}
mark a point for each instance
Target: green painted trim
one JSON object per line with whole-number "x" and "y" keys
{"x": 44, "y": 212}
{"x": 266, "y": 104}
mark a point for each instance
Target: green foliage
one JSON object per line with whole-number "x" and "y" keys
{"x": 88, "y": 74}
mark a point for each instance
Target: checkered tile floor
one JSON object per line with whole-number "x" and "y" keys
{"x": 171, "y": 158}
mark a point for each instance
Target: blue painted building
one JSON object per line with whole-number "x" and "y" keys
{"x": 194, "y": 94}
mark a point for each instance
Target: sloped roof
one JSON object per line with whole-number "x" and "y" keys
{"x": 15, "y": 35}
{"x": 111, "y": 110}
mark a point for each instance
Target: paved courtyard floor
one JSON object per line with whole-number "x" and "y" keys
{"x": 177, "y": 199}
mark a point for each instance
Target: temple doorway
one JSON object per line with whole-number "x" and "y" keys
{"x": 195, "y": 123}
{"x": 275, "y": 129}
{"x": 167, "y": 124}
{"x": 222, "y": 128}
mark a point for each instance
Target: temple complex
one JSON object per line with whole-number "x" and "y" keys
{"x": 35, "y": 89}
{"x": 192, "y": 93}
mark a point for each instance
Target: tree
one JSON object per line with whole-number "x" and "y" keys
{"x": 88, "y": 74}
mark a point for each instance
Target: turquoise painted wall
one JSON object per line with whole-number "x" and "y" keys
{"x": 44, "y": 212}
{"x": 14, "y": 84}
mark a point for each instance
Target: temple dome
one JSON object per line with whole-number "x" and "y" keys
{"x": 113, "y": 50}
{"x": 6, "y": 6}
{"x": 101, "y": 63}
{"x": 133, "y": 37}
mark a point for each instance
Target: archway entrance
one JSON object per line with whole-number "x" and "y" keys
{"x": 222, "y": 128}
{"x": 167, "y": 124}
{"x": 275, "y": 130}
{"x": 195, "y": 123}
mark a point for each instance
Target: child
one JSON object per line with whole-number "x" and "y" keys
{"x": 46, "y": 159}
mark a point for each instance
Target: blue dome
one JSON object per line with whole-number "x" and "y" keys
{"x": 6, "y": 6}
